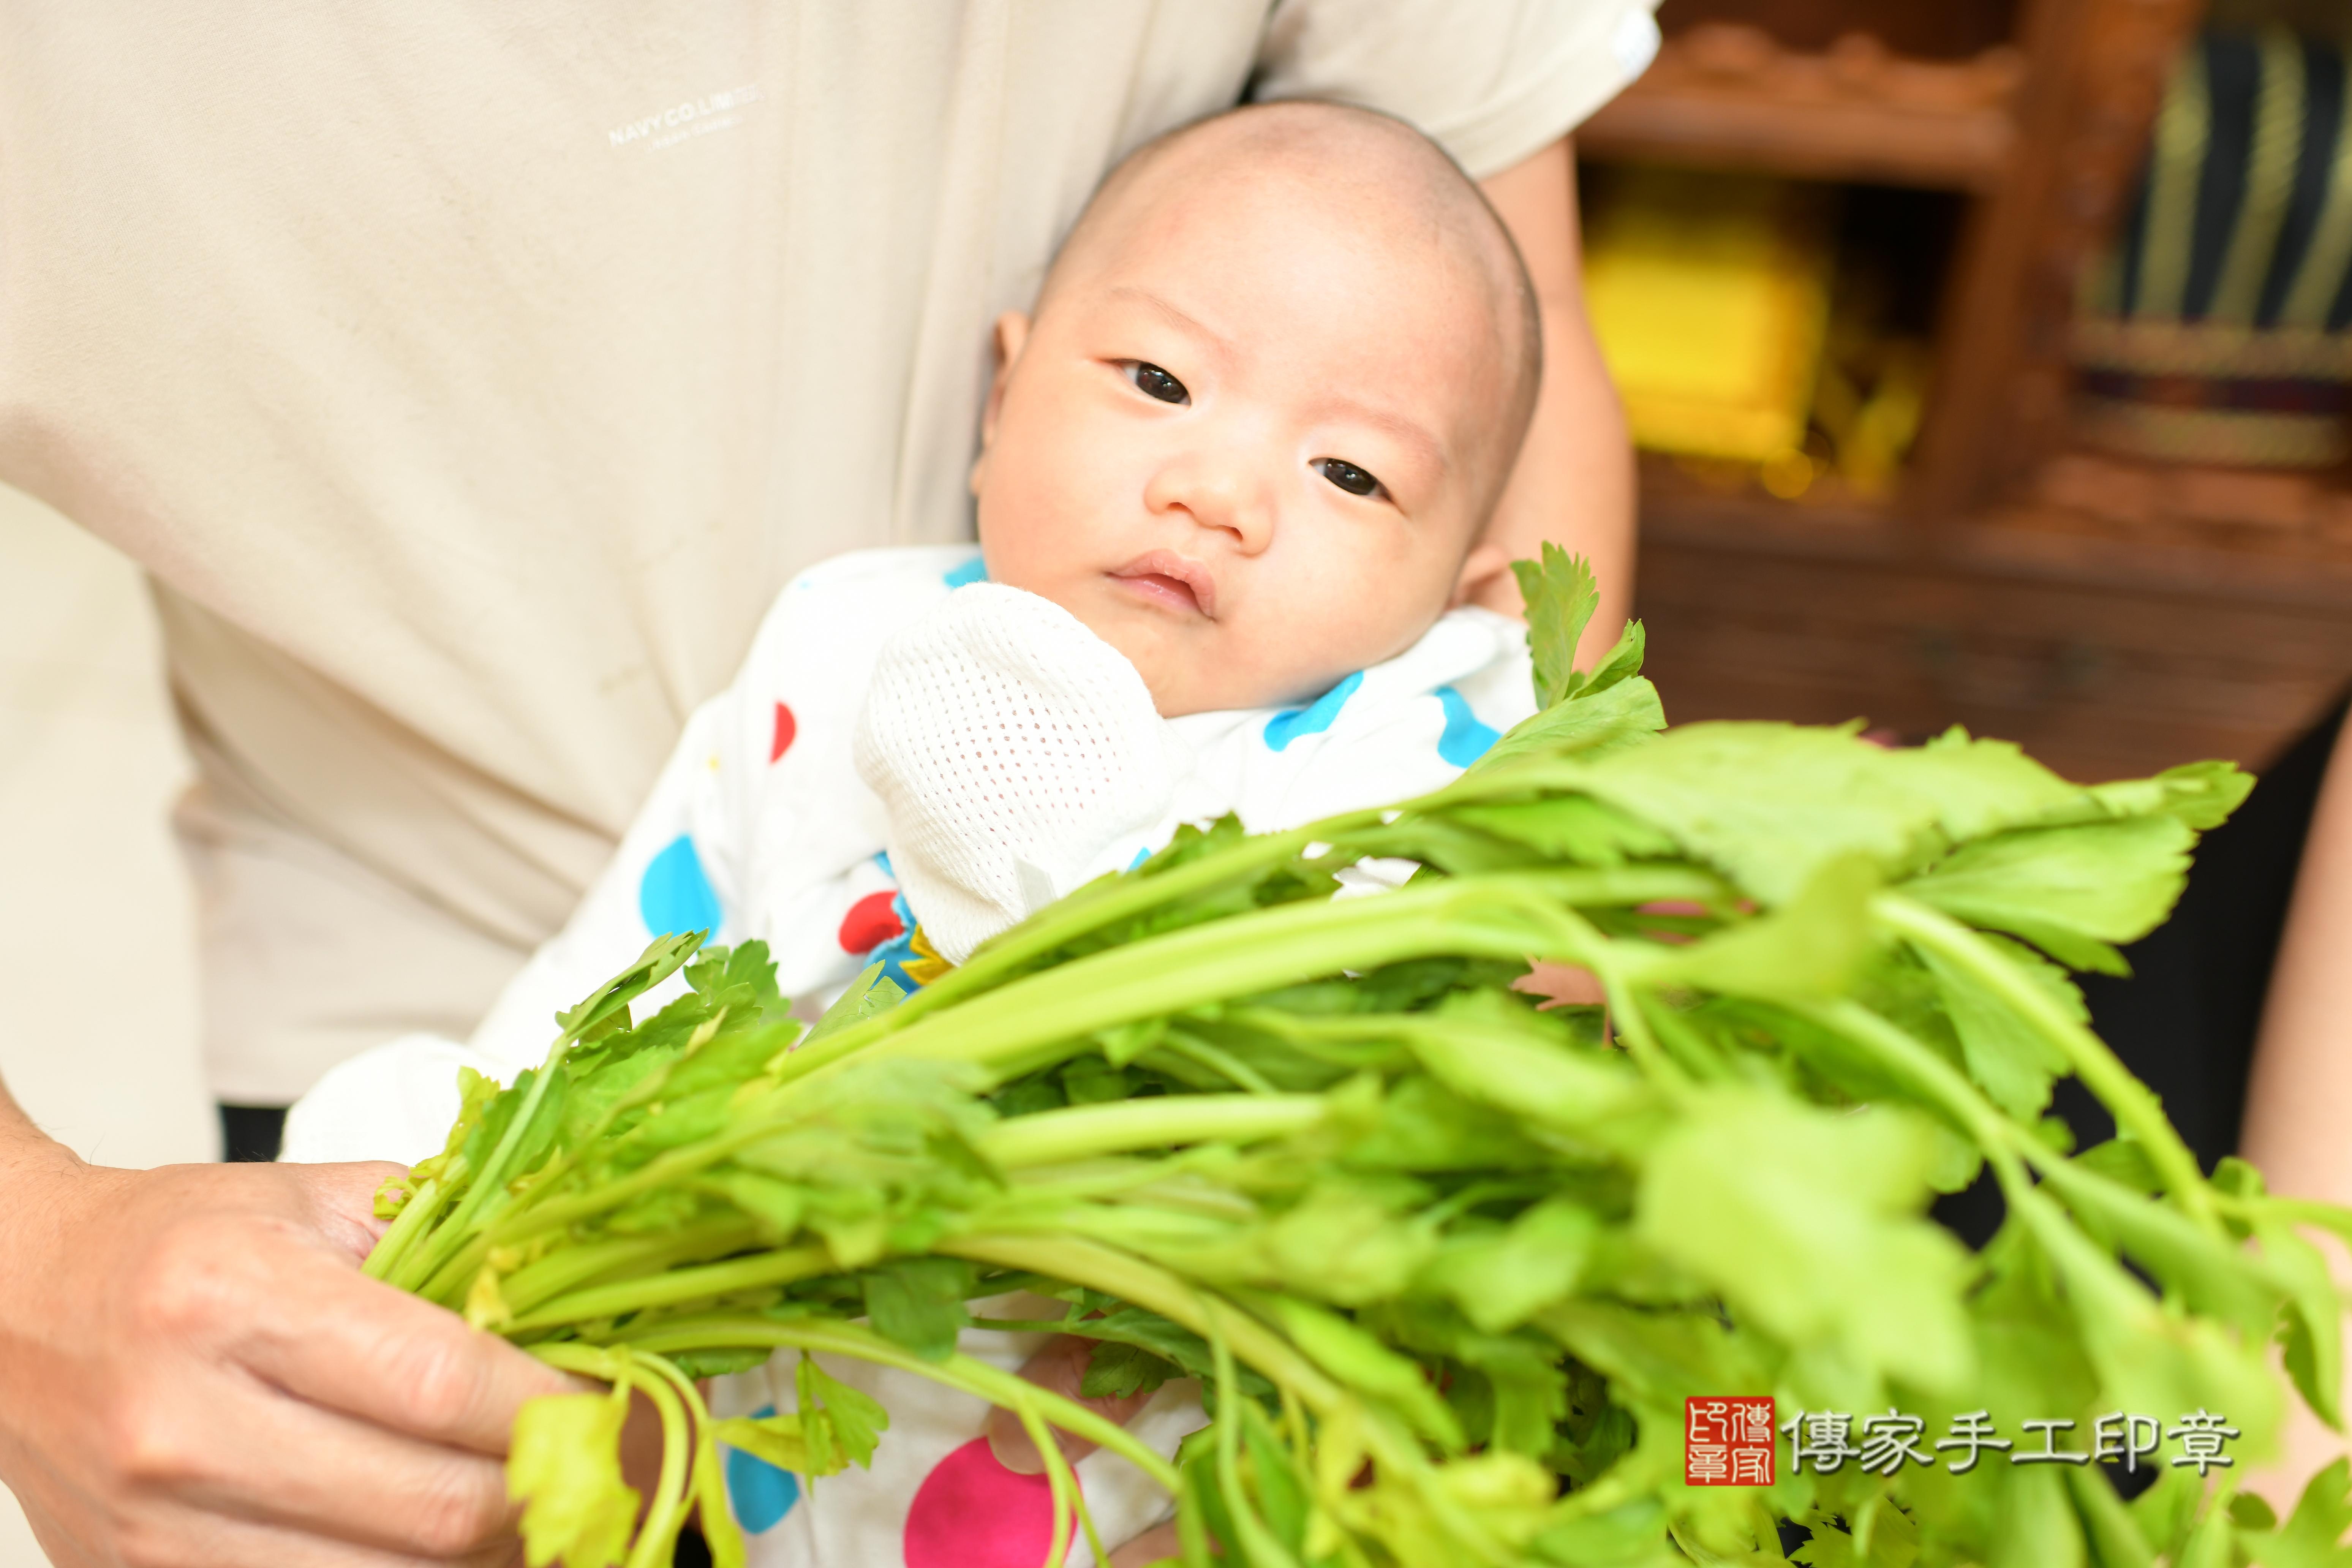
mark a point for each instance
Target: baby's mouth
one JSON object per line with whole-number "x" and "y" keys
{"x": 1165, "y": 578}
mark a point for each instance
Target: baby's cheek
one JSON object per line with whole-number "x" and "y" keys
{"x": 1284, "y": 656}
{"x": 1383, "y": 612}
{"x": 1172, "y": 679}
{"x": 1027, "y": 542}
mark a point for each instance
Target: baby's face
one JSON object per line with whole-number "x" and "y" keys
{"x": 1249, "y": 439}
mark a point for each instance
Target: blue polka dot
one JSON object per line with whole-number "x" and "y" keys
{"x": 1466, "y": 740}
{"x": 973, "y": 571}
{"x": 1141, "y": 857}
{"x": 675, "y": 895}
{"x": 759, "y": 1493}
{"x": 1313, "y": 718}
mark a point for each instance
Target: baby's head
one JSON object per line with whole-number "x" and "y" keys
{"x": 1272, "y": 390}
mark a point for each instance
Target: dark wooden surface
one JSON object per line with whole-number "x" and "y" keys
{"x": 2098, "y": 681}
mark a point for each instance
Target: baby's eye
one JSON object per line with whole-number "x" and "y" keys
{"x": 1154, "y": 382}
{"x": 1346, "y": 476}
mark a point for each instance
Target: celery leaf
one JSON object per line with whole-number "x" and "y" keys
{"x": 565, "y": 1467}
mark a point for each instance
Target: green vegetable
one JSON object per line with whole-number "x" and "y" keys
{"x": 1446, "y": 1264}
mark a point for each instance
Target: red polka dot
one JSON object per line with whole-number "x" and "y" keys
{"x": 972, "y": 1512}
{"x": 870, "y": 922}
{"x": 786, "y": 728}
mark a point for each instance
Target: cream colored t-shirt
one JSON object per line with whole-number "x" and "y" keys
{"x": 469, "y": 377}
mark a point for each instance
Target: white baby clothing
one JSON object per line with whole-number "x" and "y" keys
{"x": 1012, "y": 749}
{"x": 1015, "y": 755}
{"x": 909, "y": 743}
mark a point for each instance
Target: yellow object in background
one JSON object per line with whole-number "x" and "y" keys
{"x": 1710, "y": 295}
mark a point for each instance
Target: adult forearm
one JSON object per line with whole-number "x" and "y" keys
{"x": 2300, "y": 1095}
{"x": 2299, "y": 1099}
{"x": 1574, "y": 480}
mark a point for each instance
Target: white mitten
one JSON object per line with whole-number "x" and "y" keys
{"x": 1011, "y": 747}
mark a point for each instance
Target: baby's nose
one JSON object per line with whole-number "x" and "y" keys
{"x": 1226, "y": 491}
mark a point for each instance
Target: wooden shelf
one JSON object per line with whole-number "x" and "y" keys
{"x": 2114, "y": 617}
{"x": 1736, "y": 515}
{"x": 1726, "y": 96}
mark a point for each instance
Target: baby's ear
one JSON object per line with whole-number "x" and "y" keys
{"x": 1012, "y": 331}
{"x": 1484, "y": 568}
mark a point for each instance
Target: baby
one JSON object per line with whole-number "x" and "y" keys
{"x": 1234, "y": 468}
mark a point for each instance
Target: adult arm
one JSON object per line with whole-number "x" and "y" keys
{"x": 193, "y": 1371}
{"x": 2298, "y": 1124}
{"x": 1574, "y": 482}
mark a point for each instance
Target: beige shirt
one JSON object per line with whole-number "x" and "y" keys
{"x": 470, "y": 376}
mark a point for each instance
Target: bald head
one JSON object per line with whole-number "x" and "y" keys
{"x": 1395, "y": 186}
{"x": 1255, "y": 429}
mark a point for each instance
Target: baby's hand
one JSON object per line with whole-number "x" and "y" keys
{"x": 1062, "y": 1366}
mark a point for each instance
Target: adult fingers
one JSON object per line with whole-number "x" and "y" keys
{"x": 343, "y": 1340}
{"x": 217, "y": 1541}
{"x": 308, "y": 1468}
{"x": 1060, "y": 1366}
{"x": 171, "y": 1535}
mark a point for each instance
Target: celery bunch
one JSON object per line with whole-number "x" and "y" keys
{"x": 1446, "y": 1264}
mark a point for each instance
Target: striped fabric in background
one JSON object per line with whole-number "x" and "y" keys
{"x": 2218, "y": 327}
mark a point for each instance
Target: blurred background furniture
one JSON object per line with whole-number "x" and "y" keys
{"x": 1966, "y": 517}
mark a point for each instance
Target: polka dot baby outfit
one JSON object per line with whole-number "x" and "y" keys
{"x": 906, "y": 742}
